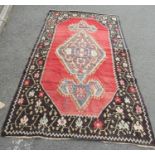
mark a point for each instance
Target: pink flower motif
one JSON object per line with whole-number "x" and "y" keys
{"x": 40, "y": 62}
{"x": 26, "y": 82}
{"x": 119, "y": 69}
{"x": 138, "y": 109}
{"x": 36, "y": 75}
{"x": 81, "y": 92}
{"x": 117, "y": 29}
{"x": 49, "y": 35}
{"x": 123, "y": 54}
{"x": 131, "y": 89}
{"x": 98, "y": 124}
{"x": 40, "y": 45}
{"x": 41, "y": 94}
{"x": 122, "y": 82}
{"x": 118, "y": 100}
{"x": 20, "y": 101}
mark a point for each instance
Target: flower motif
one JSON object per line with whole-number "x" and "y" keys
{"x": 126, "y": 100}
{"x": 122, "y": 125}
{"x": 40, "y": 45}
{"x": 31, "y": 93}
{"x": 122, "y": 82}
{"x": 131, "y": 89}
{"x": 79, "y": 123}
{"x": 37, "y": 55}
{"x": 32, "y": 67}
{"x": 62, "y": 121}
{"x": 49, "y": 35}
{"x": 26, "y": 82}
{"x": 138, "y": 109}
{"x": 128, "y": 76}
{"x": 123, "y": 54}
{"x": 20, "y": 101}
{"x": 119, "y": 69}
{"x": 117, "y": 59}
{"x": 44, "y": 52}
{"x": 118, "y": 100}
{"x": 40, "y": 62}
{"x": 81, "y": 92}
{"x": 43, "y": 38}
{"x": 138, "y": 127}
{"x": 44, "y": 120}
{"x": 41, "y": 94}
{"x": 46, "y": 43}
{"x": 125, "y": 64}
{"x": 36, "y": 75}
{"x": 24, "y": 120}
{"x": 98, "y": 124}
{"x": 38, "y": 103}
{"x": 119, "y": 110}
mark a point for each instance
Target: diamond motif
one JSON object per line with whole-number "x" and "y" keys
{"x": 81, "y": 54}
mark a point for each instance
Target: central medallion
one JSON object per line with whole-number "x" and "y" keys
{"x": 81, "y": 55}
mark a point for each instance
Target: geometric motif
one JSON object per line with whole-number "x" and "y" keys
{"x": 81, "y": 93}
{"x": 81, "y": 55}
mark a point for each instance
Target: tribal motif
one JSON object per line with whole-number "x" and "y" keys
{"x": 81, "y": 55}
{"x": 81, "y": 93}
{"x": 82, "y": 26}
{"x": 79, "y": 83}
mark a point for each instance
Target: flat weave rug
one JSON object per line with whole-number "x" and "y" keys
{"x": 79, "y": 83}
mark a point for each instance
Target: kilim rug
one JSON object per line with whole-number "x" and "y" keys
{"x": 79, "y": 83}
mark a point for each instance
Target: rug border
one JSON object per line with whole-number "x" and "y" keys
{"x": 152, "y": 145}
